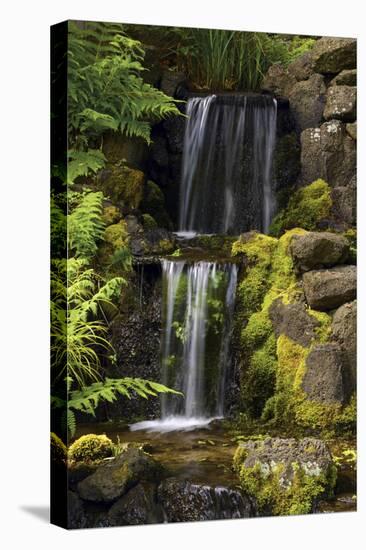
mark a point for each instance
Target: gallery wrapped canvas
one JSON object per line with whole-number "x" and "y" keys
{"x": 203, "y": 274}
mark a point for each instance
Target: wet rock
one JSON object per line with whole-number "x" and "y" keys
{"x": 137, "y": 507}
{"x": 314, "y": 250}
{"x": 328, "y": 152}
{"x": 301, "y": 68}
{"x": 307, "y": 100}
{"x": 352, "y": 130}
{"x": 153, "y": 203}
{"x": 347, "y": 77}
{"x": 185, "y": 501}
{"x": 119, "y": 148}
{"x": 344, "y": 332}
{"x": 293, "y": 321}
{"x": 333, "y": 55}
{"x": 159, "y": 151}
{"x": 286, "y": 160}
{"x": 341, "y": 103}
{"x": 76, "y": 518}
{"x": 323, "y": 378}
{"x": 344, "y": 201}
{"x": 174, "y": 130}
{"x": 327, "y": 289}
{"x": 112, "y": 480}
{"x": 278, "y": 80}
{"x": 286, "y": 476}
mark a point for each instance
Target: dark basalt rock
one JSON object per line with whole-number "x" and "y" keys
{"x": 76, "y": 518}
{"x": 138, "y": 507}
{"x": 113, "y": 479}
{"x": 293, "y": 321}
{"x": 324, "y": 379}
{"x": 341, "y": 103}
{"x": 314, "y": 250}
{"x": 307, "y": 100}
{"x": 344, "y": 333}
{"x": 344, "y": 200}
{"x": 327, "y": 289}
{"x": 329, "y": 153}
{"x": 347, "y": 77}
{"x": 278, "y": 80}
{"x": 185, "y": 501}
{"x": 333, "y": 55}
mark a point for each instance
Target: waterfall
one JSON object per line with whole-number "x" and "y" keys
{"x": 198, "y": 304}
{"x": 226, "y": 184}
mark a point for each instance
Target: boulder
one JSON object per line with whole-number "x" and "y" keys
{"x": 122, "y": 185}
{"x": 314, "y": 250}
{"x": 170, "y": 82}
{"x": 352, "y": 130}
{"x": 76, "y": 518}
{"x": 307, "y": 100}
{"x": 301, "y": 68}
{"x": 344, "y": 200}
{"x": 323, "y": 378}
{"x": 344, "y": 332}
{"x": 285, "y": 476}
{"x": 185, "y": 501}
{"x": 332, "y": 55}
{"x": 278, "y": 81}
{"x": 137, "y": 507}
{"x": 341, "y": 103}
{"x": 293, "y": 321}
{"x": 112, "y": 480}
{"x": 327, "y": 289}
{"x": 347, "y": 77}
{"x": 328, "y": 152}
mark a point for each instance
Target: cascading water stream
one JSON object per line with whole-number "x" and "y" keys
{"x": 226, "y": 184}
{"x": 198, "y": 308}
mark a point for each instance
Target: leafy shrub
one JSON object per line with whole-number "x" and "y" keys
{"x": 306, "y": 208}
{"x": 91, "y": 447}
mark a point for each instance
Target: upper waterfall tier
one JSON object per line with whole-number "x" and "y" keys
{"x": 227, "y": 184}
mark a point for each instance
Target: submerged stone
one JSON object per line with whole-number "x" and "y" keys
{"x": 186, "y": 501}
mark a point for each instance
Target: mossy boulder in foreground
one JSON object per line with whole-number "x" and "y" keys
{"x": 112, "y": 480}
{"x": 318, "y": 249}
{"x": 285, "y": 476}
{"x": 90, "y": 448}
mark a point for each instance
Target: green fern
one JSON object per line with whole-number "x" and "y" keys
{"x": 82, "y": 163}
{"x": 85, "y": 225}
{"x": 87, "y": 399}
{"x": 106, "y": 89}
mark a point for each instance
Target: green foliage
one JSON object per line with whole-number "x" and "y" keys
{"x": 58, "y": 229}
{"x": 82, "y": 163}
{"x": 78, "y": 337}
{"x": 106, "y": 90}
{"x": 306, "y": 208}
{"x": 85, "y": 225}
{"x": 90, "y": 448}
{"x": 231, "y": 60}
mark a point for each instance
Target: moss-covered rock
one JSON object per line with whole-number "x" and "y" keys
{"x": 112, "y": 480}
{"x": 111, "y": 214}
{"x": 319, "y": 249}
{"x": 285, "y": 476}
{"x": 122, "y": 185}
{"x": 90, "y": 448}
{"x": 306, "y": 208}
{"x": 58, "y": 449}
{"x": 148, "y": 222}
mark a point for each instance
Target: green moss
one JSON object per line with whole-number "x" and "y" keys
{"x": 123, "y": 185}
{"x": 324, "y": 328}
{"x": 148, "y": 222}
{"x": 306, "y": 208}
{"x": 265, "y": 483}
{"x": 90, "y": 448}
{"x": 111, "y": 215}
{"x": 351, "y": 236}
{"x": 116, "y": 236}
{"x": 58, "y": 449}
{"x": 258, "y": 329}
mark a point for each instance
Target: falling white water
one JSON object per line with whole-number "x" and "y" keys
{"x": 198, "y": 308}
{"x": 226, "y": 184}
